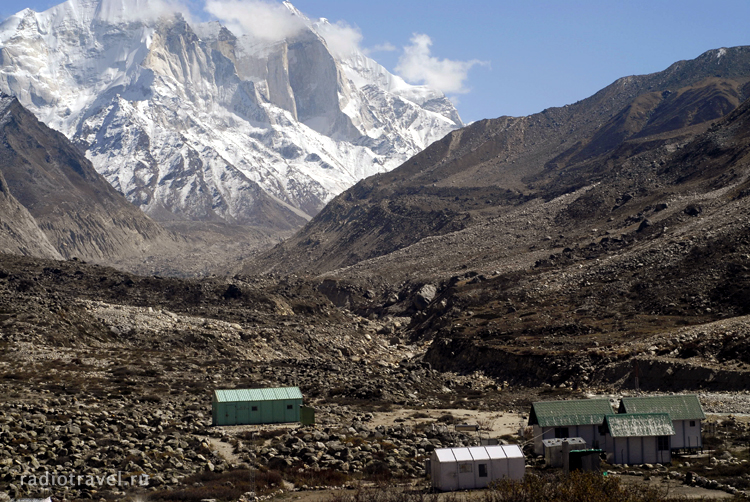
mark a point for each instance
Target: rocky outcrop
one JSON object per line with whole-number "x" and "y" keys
{"x": 76, "y": 210}
{"x": 20, "y": 233}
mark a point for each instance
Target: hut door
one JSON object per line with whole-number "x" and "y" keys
{"x": 289, "y": 412}
{"x": 465, "y": 475}
{"x": 230, "y": 417}
{"x": 243, "y": 413}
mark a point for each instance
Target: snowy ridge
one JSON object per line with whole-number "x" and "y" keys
{"x": 194, "y": 123}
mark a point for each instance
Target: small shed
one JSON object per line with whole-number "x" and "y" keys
{"x": 553, "y": 449}
{"x": 639, "y": 438}
{"x": 584, "y": 460}
{"x": 475, "y": 467}
{"x": 568, "y": 419}
{"x": 256, "y": 406}
{"x": 686, "y": 413}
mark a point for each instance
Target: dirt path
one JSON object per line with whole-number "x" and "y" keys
{"x": 224, "y": 450}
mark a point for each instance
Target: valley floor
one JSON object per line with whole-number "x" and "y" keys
{"x": 107, "y": 374}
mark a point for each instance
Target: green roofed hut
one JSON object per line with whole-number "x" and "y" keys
{"x": 256, "y": 406}
{"x": 686, "y": 413}
{"x": 579, "y": 418}
{"x": 639, "y": 438}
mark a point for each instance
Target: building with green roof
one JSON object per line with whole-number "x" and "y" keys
{"x": 568, "y": 419}
{"x": 639, "y": 438}
{"x": 256, "y": 406}
{"x": 686, "y": 413}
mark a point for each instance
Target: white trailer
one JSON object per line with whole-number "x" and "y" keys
{"x": 475, "y": 467}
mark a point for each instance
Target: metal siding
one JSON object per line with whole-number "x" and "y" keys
{"x": 256, "y": 417}
{"x": 266, "y": 412}
{"x": 499, "y": 462}
{"x": 289, "y": 415}
{"x": 679, "y": 440}
{"x": 649, "y": 450}
{"x": 279, "y": 411}
{"x": 516, "y": 462}
{"x": 466, "y": 475}
{"x": 694, "y": 434}
{"x": 635, "y": 455}
{"x": 618, "y": 451}
{"x": 538, "y": 432}
{"x": 481, "y": 457}
{"x": 230, "y": 414}
{"x": 243, "y": 413}
{"x": 445, "y": 470}
{"x": 587, "y": 434}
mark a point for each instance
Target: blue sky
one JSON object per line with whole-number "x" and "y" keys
{"x": 516, "y": 58}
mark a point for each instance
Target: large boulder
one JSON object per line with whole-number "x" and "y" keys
{"x": 424, "y": 296}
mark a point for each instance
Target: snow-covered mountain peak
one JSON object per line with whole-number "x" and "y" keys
{"x": 295, "y": 11}
{"x": 192, "y": 122}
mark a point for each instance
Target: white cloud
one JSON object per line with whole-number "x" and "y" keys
{"x": 262, "y": 19}
{"x": 384, "y": 47}
{"x": 417, "y": 65}
{"x": 141, "y": 10}
{"x": 342, "y": 39}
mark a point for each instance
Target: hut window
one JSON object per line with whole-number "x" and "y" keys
{"x": 289, "y": 406}
{"x": 466, "y": 467}
{"x": 561, "y": 432}
{"x": 254, "y": 408}
{"x": 692, "y": 423}
{"x": 662, "y": 443}
{"x": 482, "y": 470}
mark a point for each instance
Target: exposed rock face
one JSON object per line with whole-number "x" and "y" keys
{"x": 20, "y": 233}
{"x": 56, "y": 204}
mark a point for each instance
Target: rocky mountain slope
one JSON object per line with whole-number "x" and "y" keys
{"x": 627, "y": 246}
{"x": 494, "y": 167}
{"x": 193, "y": 123}
{"x": 56, "y": 205}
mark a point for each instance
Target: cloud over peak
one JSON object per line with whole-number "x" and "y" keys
{"x": 265, "y": 20}
{"x": 418, "y": 65}
{"x": 342, "y": 38}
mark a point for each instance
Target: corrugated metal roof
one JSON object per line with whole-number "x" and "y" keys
{"x": 574, "y": 412}
{"x": 444, "y": 455}
{"x": 479, "y": 453}
{"x": 640, "y": 424}
{"x": 495, "y": 452}
{"x": 679, "y": 407}
{"x": 271, "y": 394}
{"x": 462, "y": 454}
{"x": 512, "y": 451}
